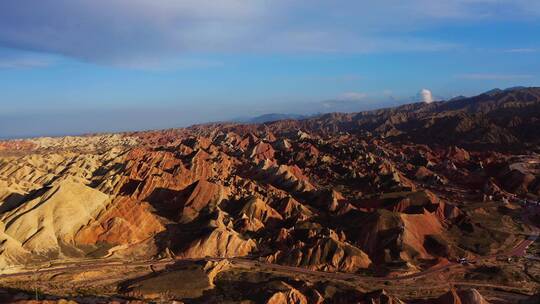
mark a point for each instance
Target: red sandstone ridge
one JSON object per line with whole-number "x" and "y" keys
{"x": 126, "y": 222}
{"x": 16, "y": 146}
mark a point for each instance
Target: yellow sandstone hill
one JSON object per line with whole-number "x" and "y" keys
{"x": 47, "y": 225}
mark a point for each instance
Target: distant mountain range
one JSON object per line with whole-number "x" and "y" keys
{"x": 269, "y": 118}
{"x": 508, "y": 118}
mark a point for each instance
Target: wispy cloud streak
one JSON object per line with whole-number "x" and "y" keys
{"x": 150, "y": 33}
{"x": 494, "y": 76}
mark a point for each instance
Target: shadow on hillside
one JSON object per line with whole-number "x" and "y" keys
{"x": 14, "y": 200}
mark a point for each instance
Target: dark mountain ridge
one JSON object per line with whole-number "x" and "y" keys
{"x": 503, "y": 118}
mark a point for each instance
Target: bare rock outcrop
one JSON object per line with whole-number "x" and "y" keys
{"x": 220, "y": 242}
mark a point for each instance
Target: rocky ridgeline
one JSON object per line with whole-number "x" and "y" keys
{"x": 332, "y": 203}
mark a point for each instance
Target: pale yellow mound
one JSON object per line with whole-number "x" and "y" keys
{"x": 41, "y": 223}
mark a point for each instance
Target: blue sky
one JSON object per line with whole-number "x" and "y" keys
{"x": 69, "y": 67}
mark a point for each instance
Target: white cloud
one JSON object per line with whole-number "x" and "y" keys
{"x": 426, "y": 96}
{"x": 10, "y": 59}
{"x": 24, "y": 63}
{"x": 521, "y": 50}
{"x": 159, "y": 64}
{"x": 345, "y": 100}
{"x": 353, "y": 96}
{"x": 494, "y": 76}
